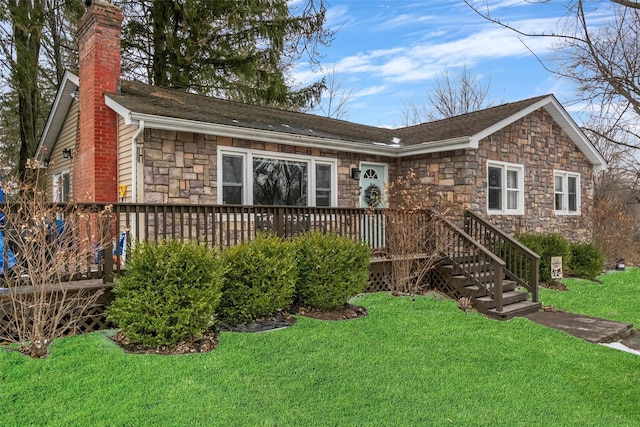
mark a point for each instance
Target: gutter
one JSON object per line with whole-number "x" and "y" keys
{"x": 134, "y": 162}
{"x": 391, "y": 150}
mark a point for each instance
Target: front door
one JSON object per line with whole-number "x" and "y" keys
{"x": 372, "y": 225}
{"x": 372, "y": 185}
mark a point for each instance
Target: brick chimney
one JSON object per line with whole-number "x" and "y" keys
{"x": 95, "y": 172}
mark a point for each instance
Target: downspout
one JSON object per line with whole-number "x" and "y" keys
{"x": 134, "y": 162}
{"x": 133, "y": 232}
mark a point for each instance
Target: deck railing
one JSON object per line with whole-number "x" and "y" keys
{"x": 521, "y": 264}
{"x": 484, "y": 269}
{"x": 73, "y": 238}
{"x": 228, "y": 225}
{"x": 104, "y": 232}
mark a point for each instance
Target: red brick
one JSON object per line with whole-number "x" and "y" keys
{"x": 95, "y": 168}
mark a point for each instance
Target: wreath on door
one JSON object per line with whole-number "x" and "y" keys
{"x": 372, "y": 195}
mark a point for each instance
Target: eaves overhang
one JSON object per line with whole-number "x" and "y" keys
{"x": 57, "y": 114}
{"x": 564, "y": 120}
{"x": 272, "y": 136}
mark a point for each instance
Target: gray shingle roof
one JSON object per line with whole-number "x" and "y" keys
{"x": 464, "y": 125}
{"x": 145, "y": 99}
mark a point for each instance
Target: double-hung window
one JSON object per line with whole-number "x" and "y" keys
{"x": 505, "y": 188}
{"x": 61, "y": 187}
{"x": 264, "y": 178}
{"x": 566, "y": 192}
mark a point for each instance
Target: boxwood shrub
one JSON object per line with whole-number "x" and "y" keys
{"x": 169, "y": 293}
{"x": 587, "y": 261}
{"x": 259, "y": 281}
{"x": 547, "y": 246}
{"x": 331, "y": 269}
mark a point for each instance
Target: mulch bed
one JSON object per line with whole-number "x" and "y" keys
{"x": 211, "y": 337}
{"x": 208, "y": 342}
{"x": 277, "y": 322}
{"x": 347, "y": 312}
{"x": 555, "y": 286}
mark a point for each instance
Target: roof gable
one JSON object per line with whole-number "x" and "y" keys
{"x": 163, "y": 108}
{"x": 58, "y": 114}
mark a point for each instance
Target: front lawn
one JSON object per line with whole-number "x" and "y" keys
{"x": 421, "y": 362}
{"x": 617, "y": 298}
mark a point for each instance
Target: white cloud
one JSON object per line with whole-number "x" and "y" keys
{"x": 369, "y": 91}
{"x": 403, "y": 20}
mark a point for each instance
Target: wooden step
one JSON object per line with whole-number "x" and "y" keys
{"x": 476, "y": 267}
{"x": 473, "y": 291}
{"x": 514, "y": 310}
{"x": 485, "y": 303}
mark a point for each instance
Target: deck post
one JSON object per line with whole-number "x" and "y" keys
{"x": 535, "y": 279}
{"x": 107, "y": 236}
{"x": 279, "y": 219}
{"x": 497, "y": 288}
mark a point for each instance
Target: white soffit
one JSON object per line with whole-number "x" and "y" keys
{"x": 57, "y": 114}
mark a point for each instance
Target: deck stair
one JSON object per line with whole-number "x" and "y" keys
{"x": 497, "y": 273}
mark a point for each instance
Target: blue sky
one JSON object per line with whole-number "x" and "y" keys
{"x": 389, "y": 52}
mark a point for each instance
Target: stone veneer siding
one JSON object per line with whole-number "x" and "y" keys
{"x": 535, "y": 141}
{"x": 180, "y": 167}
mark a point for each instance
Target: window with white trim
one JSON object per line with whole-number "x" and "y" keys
{"x": 61, "y": 187}
{"x": 263, "y": 178}
{"x": 505, "y": 188}
{"x": 566, "y": 189}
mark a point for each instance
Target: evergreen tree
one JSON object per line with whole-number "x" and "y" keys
{"x": 242, "y": 50}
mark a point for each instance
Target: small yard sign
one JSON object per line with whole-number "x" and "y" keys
{"x": 556, "y": 267}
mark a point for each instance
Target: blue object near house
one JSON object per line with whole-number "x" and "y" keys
{"x": 6, "y": 256}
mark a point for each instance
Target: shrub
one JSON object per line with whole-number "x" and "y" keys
{"x": 169, "y": 293}
{"x": 587, "y": 261}
{"x": 547, "y": 246}
{"x": 260, "y": 279}
{"x": 331, "y": 269}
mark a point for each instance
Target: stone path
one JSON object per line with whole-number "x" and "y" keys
{"x": 618, "y": 335}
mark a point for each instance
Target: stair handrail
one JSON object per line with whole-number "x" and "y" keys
{"x": 498, "y": 264}
{"x": 521, "y": 264}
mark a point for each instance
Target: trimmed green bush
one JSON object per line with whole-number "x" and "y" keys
{"x": 587, "y": 261}
{"x": 169, "y": 293}
{"x": 331, "y": 269}
{"x": 547, "y": 246}
{"x": 260, "y": 279}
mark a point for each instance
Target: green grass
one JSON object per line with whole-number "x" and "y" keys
{"x": 617, "y": 298}
{"x": 412, "y": 363}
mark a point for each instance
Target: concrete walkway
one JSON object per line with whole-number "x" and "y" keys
{"x": 591, "y": 329}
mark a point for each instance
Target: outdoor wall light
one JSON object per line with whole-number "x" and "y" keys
{"x": 45, "y": 163}
{"x": 355, "y": 173}
{"x": 67, "y": 153}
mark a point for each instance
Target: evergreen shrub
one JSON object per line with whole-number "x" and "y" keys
{"x": 169, "y": 293}
{"x": 587, "y": 261}
{"x": 260, "y": 279}
{"x": 547, "y": 246}
{"x": 331, "y": 269}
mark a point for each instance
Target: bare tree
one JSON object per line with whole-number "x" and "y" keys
{"x": 451, "y": 95}
{"x": 616, "y": 201}
{"x": 601, "y": 58}
{"x": 412, "y": 243}
{"x": 43, "y": 247}
{"x": 337, "y": 98}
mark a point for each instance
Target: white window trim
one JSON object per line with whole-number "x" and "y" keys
{"x": 565, "y": 194}
{"x": 56, "y": 183}
{"x": 248, "y": 155}
{"x": 504, "y": 166}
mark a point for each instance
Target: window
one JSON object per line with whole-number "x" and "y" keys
{"x": 323, "y": 185}
{"x": 505, "y": 188}
{"x": 566, "y": 192}
{"x": 248, "y": 177}
{"x": 232, "y": 182}
{"x": 279, "y": 182}
{"x": 61, "y": 187}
